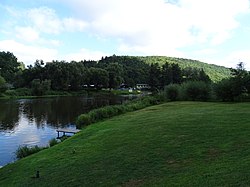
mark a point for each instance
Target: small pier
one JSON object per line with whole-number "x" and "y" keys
{"x": 64, "y": 131}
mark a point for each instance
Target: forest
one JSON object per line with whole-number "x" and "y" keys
{"x": 160, "y": 73}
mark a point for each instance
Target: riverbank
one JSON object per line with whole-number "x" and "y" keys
{"x": 172, "y": 144}
{"x": 25, "y": 93}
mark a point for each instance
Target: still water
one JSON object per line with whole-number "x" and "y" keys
{"x": 34, "y": 121}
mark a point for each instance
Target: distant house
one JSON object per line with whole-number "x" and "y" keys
{"x": 142, "y": 86}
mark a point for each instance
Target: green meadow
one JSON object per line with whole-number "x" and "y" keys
{"x": 172, "y": 144}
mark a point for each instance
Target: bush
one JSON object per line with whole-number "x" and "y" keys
{"x": 25, "y": 151}
{"x": 53, "y": 142}
{"x": 11, "y": 93}
{"x": 196, "y": 90}
{"x": 83, "y": 119}
{"x": 172, "y": 91}
{"x": 23, "y": 92}
{"x": 18, "y": 92}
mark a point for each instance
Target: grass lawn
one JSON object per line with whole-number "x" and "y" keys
{"x": 173, "y": 144}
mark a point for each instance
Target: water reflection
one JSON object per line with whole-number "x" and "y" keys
{"x": 33, "y": 121}
{"x": 55, "y": 112}
{"x": 9, "y": 114}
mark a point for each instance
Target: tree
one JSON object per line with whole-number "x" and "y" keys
{"x": 224, "y": 90}
{"x": 166, "y": 75}
{"x": 203, "y": 76}
{"x": 2, "y": 85}
{"x": 40, "y": 87}
{"x": 154, "y": 76}
{"x": 194, "y": 74}
{"x": 176, "y": 73}
{"x": 77, "y": 75}
{"x": 59, "y": 74}
{"x": 235, "y": 87}
{"x": 171, "y": 74}
{"x": 114, "y": 70}
{"x": 8, "y": 66}
{"x": 98, "y": 77}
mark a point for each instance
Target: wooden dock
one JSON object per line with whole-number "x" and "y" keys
{"x": 64, "y": 131}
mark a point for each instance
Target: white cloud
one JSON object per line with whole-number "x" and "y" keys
{"x": 28, "y": 53}
{"x": 157, "y": 27}
{"x": 214, "y": 19}
{"x": 143, "y": 27}
{"x": 44, "y": 19}
{"x": 70, "y": 24}
{"x": 36, "y": 24}
{"x": 27, "y": 34}
{"x": 31, "y": 33}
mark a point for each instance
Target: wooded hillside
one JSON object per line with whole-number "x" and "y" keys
{"x": 215, "y": 72}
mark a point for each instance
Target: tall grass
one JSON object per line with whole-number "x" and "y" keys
{"x": 24, "y": 151}
{"x": 53, "y": 142}
{"x": 110, "y": 111}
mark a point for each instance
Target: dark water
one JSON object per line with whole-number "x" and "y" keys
{"x": 34, "y": 121}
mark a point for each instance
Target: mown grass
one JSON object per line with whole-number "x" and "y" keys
{"x": 173, "y": 144}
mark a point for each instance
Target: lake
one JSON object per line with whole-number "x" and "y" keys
{"x": 34, "y": 121}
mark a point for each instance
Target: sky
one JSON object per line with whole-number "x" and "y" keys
{"x": 212, "y": 31}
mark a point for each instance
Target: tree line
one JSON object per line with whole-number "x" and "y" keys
{"x": 109, "y": 72}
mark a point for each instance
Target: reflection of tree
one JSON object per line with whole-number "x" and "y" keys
{"x": 61, "y": 111}
{"x": 56, "y": 112}
{"x": 9, "y": 114}
{"x": 33, "y": 110}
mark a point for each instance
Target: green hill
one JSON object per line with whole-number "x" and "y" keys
{"x": 215, "y": 72}
{"x": 173, "y": 144}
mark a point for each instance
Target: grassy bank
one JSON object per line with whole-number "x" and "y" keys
{"x": 173, "y": 144}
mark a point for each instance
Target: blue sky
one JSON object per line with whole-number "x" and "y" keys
{"x": 213, "y": 31}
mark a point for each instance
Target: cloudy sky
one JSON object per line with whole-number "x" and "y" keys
{"x": 213, "y": 31}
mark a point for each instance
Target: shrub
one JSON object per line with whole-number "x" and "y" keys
{"x": 83, "y": 119}
{"x": 18, "y": 92}
{"x": 23, "y": 92}
{"x": 24, "y": 151}
{"x": 172, "y": 91}
{"x": 11, "y": 93}
{"x": 53, "y": 142}
{"x": 120, "y": 109}
{"x": 233, "y": 89}
{"x": 224, "y": 90}
{"x": 196, "y": 90}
